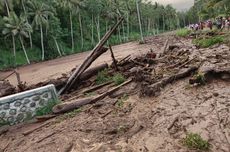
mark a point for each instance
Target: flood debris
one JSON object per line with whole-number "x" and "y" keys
{"x": 6, "y": 88}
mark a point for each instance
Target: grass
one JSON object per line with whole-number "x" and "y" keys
{"x": 103, "y": 77}
{"x": 183, "y": 32}
{"x": 4, "y": 123}
{"x": 120, "y": 103}
{"x": 90, "y": 94}
{"x": 207, "y": 42}
{"x": 200, "y": 78}
{"x": 195, "y": 141}
{"x": 118, "y": 79}
{"x": 69, "y": 114}
{"x": 46, "y": 109}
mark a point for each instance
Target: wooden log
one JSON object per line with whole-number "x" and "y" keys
{"x": 150, "y": 90}
{"x": 165, "y": 47}
{"x": 113, "y": 58}
{"x": 93, "y": 71}
{"x": 36, "y": 128}
{"x": 66, "y": 107}
{"x": 96, "y": 52}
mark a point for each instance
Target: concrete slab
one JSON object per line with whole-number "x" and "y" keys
{"x": 22, "y": 106}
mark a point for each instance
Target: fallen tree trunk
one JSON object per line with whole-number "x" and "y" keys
{"x": 66, "y": 107}
{"x": 150, "y": 90}
{"x": 93, "y": 71}
{"x": 96, "y": 52}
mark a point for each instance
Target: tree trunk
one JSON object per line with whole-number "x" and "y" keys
{"x": 123, "y": 31}
{"x": 24, "y": 9}
{"x": 163, "y": 23}
{"x": 128, "y": 26}
{"x": 23, "y": 47}
{"x": 98, "y": 28}
{"x": 42, "y": 43}
{"x": 96, "y": 52}
{"x": 92, "y": 38}
{"x": 58, "y": 48}
{"x": 82, "y": 37}
{"x": 68, "y": 106}
{"x": 14, "y": 49}
{"x": 71, "y": 30}
{"x": 7, "y": 7}
{"x": 139, "y": 19}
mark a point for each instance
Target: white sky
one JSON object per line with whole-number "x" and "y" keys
{"x": 178, "y": 4}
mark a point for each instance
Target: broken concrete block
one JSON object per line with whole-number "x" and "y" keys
{"x": 22, "y": 106}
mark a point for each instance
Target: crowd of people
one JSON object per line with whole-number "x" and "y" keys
{"x": 220, "y": 23}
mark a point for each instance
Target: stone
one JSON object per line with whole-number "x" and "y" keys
{"x": 17, "y": 104}
{"x": 45, "y": 95}
{"x": 42, "y": 102}
{"x": 36, "y": 98}
{"x": 6, "y": 106}
{"x": 32, "y": 104}
{"x": 20, "y": 117}
{"x": 13, "y": 111}
{"x": 23, "y": 109}
{"x": 10, "y": 119}
{"x": 26, "y": 101}
{"x": 2, "y": 115}
{"x": 215, "y": 94}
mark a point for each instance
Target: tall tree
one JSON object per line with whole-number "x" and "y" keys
{"x": 40, "y": 13}
{"x": 18, "y": 27}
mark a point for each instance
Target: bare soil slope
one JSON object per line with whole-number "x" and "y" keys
{"x": 140, "y": 124}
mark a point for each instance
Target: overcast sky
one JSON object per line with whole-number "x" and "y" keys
{"x": 178, "y": 4}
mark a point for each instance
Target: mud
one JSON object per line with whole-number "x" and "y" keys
{"x": 141, "y": 123}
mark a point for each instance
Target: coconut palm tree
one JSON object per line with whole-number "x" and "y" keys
{"x": 40, "y": 14}
{"x": 17, "y": 27}
{"x": 139, "y": 19}
{"x": 22, "y": 2}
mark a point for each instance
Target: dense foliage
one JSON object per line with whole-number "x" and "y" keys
{"x": 206, "y": 9}
{"x": 34, "y": 30}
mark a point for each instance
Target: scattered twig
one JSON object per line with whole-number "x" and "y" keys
{"x": 36, "y": 128}
{"x": 173, "y": 122}
{"x": 106, "y": 114}
{"x": 47, "y": 136}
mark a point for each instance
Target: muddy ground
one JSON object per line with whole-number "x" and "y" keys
{"x": 130, "y": 122}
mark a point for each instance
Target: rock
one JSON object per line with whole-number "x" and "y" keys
{"x": 215, "y": 94}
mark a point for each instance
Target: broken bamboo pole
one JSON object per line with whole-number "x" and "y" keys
{"x": 113, "y": 58}
{"x": 96, "y": 52}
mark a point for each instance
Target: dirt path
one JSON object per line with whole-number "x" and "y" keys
{"x": 42, "y": 71}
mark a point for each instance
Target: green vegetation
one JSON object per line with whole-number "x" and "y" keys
{"x": 36, "y": 30}
{"x": 72, "y": 113}
{"x": 69, "y": 115}
{"x": 4, "y": 122}
{"x": 200, "y": 78}
{"x": 183, "y": 32}
{"x": 90, "y": 94}
{"x": 195, "y": 141}
{"x": 47, "y": 109}
{"x": 207, "y": 42}
{"x": 121, "y": 101}
{"x": 103, "y": 77}
{"x": 118, "y": 79}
